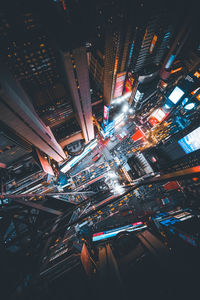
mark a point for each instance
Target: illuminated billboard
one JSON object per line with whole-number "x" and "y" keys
{"x": 157, "y": 116}
{"x": 153, "y": 42}
{"x": 119, "y": 84}
{"x": 176, "y": 70}
{"x": 138, "y": 135}
{"x": 113, "y": 232}
{"x": 198, "y": 97}
{"x": 128, "y": 86}
{"x": 170, "y": 61}
{"x": 77, "y": 158}
{"x": 137, "y": 96}
{"x": 176, "y": 95}
{"x": 105, "y": 114}
{"x": 191, "y": 142}
{"x": 196, "y": 90}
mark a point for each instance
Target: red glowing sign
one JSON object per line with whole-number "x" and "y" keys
{"x": 198, "y": 97}
{"x": 128, "y": 86}
{"x": 138, "y": 135}
{"x": 172, "y": 185}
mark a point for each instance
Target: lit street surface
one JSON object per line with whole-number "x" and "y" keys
{"x": 105, "y": 179}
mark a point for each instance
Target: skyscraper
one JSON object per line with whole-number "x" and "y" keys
{"x": 18, "y": 113}
{"x": 76, "y": 68}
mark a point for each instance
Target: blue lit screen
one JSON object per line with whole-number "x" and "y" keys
{"x": 191, "y": 142}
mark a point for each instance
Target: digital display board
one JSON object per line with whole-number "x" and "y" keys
{"x": 113, "y": 232}
{"x": 176, "y": 95}
{"x": 119, "y": 84}
{"x": 138, "y": 135}
{"x": 191, "y": 142}
{"x": 128, "y": 86}
{"x": 157, "y": 116}
{"x": 105, "y": 114}
{"x": 154, "y": 40}
{"x": 77, "y": 158}
{"x": 170, "y": 61}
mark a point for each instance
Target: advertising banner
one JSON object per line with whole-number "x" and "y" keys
{"x": 191, "y": 142}
{"x": 128, "y": 86}
{"x": 106, "y": 110}
{"x": 119, "y": 84}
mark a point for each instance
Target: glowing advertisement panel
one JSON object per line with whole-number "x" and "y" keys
{"x": 119, "y": 84}
{"x": 170, "y": 61}
{"x": 176, "y": 95}
{"x": 76, "y": 159}
{"x": 191, "y": 142}
{"x": 105, "y": 114}
{"x": 113, "y": 232}
{"x": 154, "y": 40}
{"x": 157, "y": 116}
{"x": 128, "y": 86}
{"x": 138, "y": 135}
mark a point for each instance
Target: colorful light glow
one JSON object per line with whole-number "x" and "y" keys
{"x": 158, "y": 114}
{"x": 198, "y": 97}
{"x": 154, "y": 40}
{"x": 197, "y": 74}
{"x": 176, "y": 70}
{"x": 189, "y": 106}
{"x": 138, "y": 135}
{"x": 194, "y": 92}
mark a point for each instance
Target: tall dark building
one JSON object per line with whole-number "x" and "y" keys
{"x": 18, "y": 113}
{"x": 31, "y": 57}
{"x": 76, "y": 68}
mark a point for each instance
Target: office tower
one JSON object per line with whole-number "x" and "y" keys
{"x": 18, "y": 113}
{"x": 12, "y": 147}
{"x": 76, "y": 68}
{"x": 117, "y": 47}
{"x": 32, "y": 56}
{"x": 96, "y": 68}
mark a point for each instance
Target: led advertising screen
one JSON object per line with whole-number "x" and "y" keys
{"x": 105, "y": 114}
{"x": 119, "y": 84}
{"x": 128, "y": 86}
{"x": 170, "y": 61}
{"x": 138, "y": 135}
{"x": 176, "y": 95}
{"x": 154, "y": 40}
{"x": 157, "y": 116}
{"x": 113, "y": 232}
{"x": 77, "y": 158}
{"x": 137, "y": 96}
{"x": 191, "y": 142}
